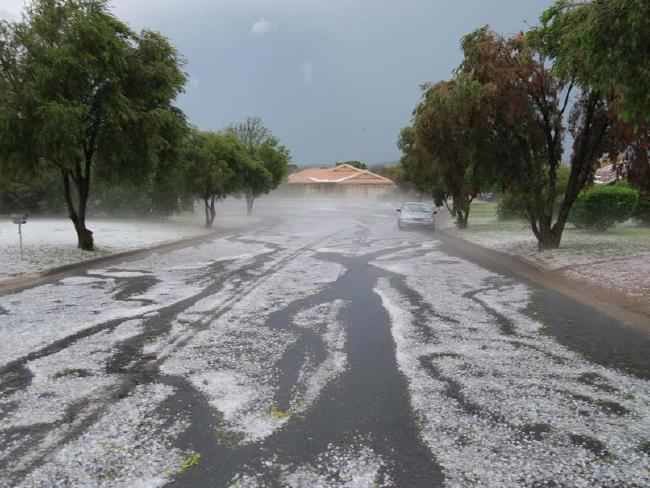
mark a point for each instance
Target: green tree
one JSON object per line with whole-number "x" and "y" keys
{"x": 509, "y": 204}
{"x": 451, "y": 125}
{"x": 269, "y": 160}
{"x": 214, "y": 167}
{"x": 80, "y": 92}
{"x": 415, "y": 167}
{"x": 419, "y": 169}
{"x": 603, "y": 44}
{"x": 256, "y": 180}
{"x": 166, "y": 190}
{"x": 528, "y": 103}
{"x": 160, "y": 192}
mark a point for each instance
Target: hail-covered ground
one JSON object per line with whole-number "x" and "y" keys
{"x": 618, "y": 259}
{"x": 52, "y": 242}
{"x": 323, "y": 348}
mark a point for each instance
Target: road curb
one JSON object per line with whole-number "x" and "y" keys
{"x": 613, "y": 303}
{"x": 494, "y": 253}
{"x": 33, "y": 279}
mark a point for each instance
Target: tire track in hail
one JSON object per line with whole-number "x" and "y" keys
{"x": 128, "y": 361}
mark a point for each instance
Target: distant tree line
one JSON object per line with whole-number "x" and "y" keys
{"x": 87, "y": 109}
{"x": 502, "y": 121}
{"x": 356, "y": 164}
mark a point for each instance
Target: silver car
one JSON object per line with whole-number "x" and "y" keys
{"x": 412, "y": 214}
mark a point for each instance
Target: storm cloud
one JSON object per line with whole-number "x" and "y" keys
{"x": 334, "y": 79}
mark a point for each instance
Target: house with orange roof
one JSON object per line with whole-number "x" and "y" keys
{"x": 343, "y": 179}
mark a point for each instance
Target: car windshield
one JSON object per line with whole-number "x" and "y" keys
{"x": 417, "y": 208}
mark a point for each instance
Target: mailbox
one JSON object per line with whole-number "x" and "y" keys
{"x": 20, "y": 220}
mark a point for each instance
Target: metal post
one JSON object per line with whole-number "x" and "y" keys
{"x": 19, "y": 221}
{"x": 20, "y": 234}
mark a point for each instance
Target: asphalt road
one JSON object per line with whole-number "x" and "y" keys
{"x": 321, "y": 348}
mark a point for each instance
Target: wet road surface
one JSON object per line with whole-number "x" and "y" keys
{"x": 325, "y": 348}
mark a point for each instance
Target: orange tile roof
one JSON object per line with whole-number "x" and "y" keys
{"x": 343, "y": 174}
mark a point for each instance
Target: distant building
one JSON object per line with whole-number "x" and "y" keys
{"x": 611, "y": 171}
{"x": 606, "y": 175}
{"x": 343, "y": 179}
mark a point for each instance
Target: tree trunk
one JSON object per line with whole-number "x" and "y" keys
{"x": 77, "y": 214}
{"x": 461, "y": 219}
{"x": 639, "y": 169}
{"x": 250, "y": 200}
{"x": 461, "y": 211}
{"x": 549, "y": 237}
{"x": 210, "y": 211}
{"x": 549, "y": 240}
{"x": 213, "y": 211}
{"x": 587, "y": 148}
{"x": 206, "y": 208}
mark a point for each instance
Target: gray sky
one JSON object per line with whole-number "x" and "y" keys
{"x": 333, "y": 79}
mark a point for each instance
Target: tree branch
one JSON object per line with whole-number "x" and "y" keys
{"x": 567, "y": 96}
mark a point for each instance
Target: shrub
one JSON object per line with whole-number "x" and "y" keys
{"x": 600, "y": 207}
{"x": 509, "y": 207}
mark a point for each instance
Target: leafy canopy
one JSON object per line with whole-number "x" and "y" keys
{"x": 269, "y": 160}
{"x": 604, "y": 44}
{"x": 452, "y": 127}
{"x": 213, "y": 162}
{"x": 80, "y": 91}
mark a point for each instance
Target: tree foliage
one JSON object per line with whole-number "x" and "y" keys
{"x": 603, "y": 44}
{"x": 269, "y": 160}
{"x": 528, "y": 104}
{"x": 418, "y": 168}
{"x": 414, "y": 167}
{"x": 214, "y": 164}
{"x": 31, "y": 194}
{"x": 451, "y": 126}
{"x": 503, "y": 119}
{"x": 509, "y": 203}
{"x": 82, "y": 92}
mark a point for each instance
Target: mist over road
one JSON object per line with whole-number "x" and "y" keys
{"x": 322, "y": 347}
